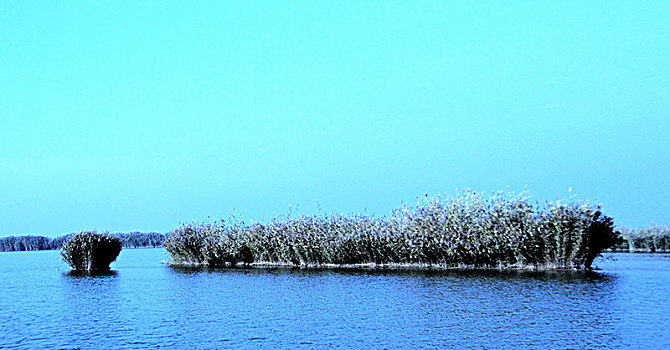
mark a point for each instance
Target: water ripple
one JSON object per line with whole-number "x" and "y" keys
{"x": 145, "y": 305}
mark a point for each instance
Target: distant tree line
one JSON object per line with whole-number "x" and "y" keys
{"x": 128, "y": 240}
{"x": 140, "y": 239}
{"x": 21, "y": 243}
{"x": 652, "y": 240}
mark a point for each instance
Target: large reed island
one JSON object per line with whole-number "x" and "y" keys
{"x": 90, "y": 251}
{"x": 468, "y": 230}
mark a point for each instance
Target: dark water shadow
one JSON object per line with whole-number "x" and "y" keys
{"x": 194, "y": 270}
{"x": 90, "y": 274}
{"x": 574, "y": 276}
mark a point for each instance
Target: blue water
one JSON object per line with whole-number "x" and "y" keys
{"x": 145, "y": 304}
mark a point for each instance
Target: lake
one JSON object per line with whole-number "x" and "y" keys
{"x": 145, "y": 304}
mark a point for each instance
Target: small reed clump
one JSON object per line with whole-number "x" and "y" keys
{"x": 468, "y": 230}
{"x": 90, "y": 251}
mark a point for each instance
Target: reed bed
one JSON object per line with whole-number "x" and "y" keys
{"x": 651, "y": 240}
{"x": 468, "y": 230}
{"x": 90, "y": 251}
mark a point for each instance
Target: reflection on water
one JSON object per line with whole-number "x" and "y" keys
{"x": 91, "y": 274}
{"x": 452, "y": 308}
{"x": 144, "y": 304}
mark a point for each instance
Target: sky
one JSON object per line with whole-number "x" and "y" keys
{"x": 126, "y": 115}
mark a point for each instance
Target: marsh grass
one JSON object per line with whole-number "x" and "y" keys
{"x": 468, "y": 230}
{"x": 90, "y": 251}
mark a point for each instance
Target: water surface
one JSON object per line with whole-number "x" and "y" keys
{"x": 145, "y": 304}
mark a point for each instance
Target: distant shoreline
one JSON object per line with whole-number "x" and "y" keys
{"x": 35, "y": 243}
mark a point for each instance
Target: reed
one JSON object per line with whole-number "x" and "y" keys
{"x": 467, "y": 230}
{"x": 90, "y": 251}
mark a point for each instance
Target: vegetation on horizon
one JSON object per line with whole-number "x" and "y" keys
{"x": 468, "y": 230}
{"x": 90, "y": 251}
{"x": 651, "y": 239}
{"x": 128, "y": 240}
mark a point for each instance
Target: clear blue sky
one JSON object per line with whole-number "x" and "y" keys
{"x": 140, "y": 115}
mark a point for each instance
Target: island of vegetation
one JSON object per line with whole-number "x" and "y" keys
{"x": 90, "y": 251}
{"x": 468, "y": 230}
